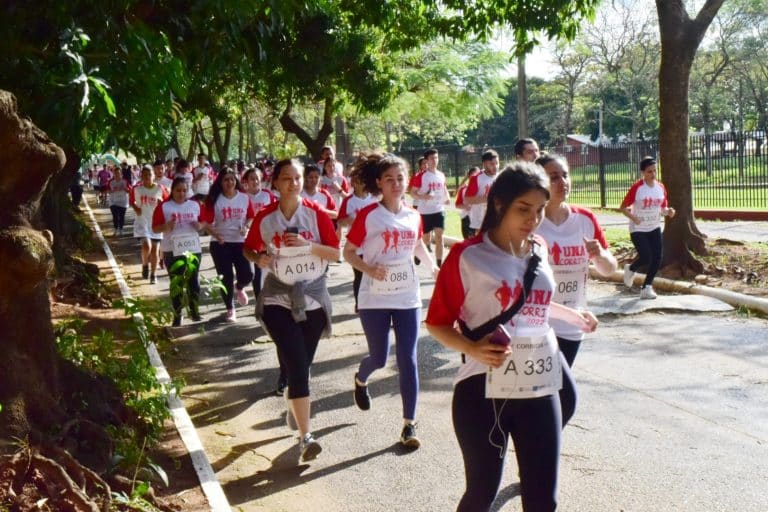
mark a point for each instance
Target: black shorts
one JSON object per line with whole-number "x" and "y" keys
{"x": 431, "y": 221}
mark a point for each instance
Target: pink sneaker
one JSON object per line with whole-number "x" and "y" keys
{"x": 242, "y": 298}
{"x": 231, "y": 316}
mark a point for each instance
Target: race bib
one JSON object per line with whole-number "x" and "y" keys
{"x": 649, "y": 219}
{"x": 186, "y": 243}
{"x": 531, "y": 370}
{"x": 294, "y": 264}
{"x": 570, "y": 285}
{"x": 399, "y": 278}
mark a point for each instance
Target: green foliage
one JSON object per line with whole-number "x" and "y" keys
{"x": 188, "y": 264}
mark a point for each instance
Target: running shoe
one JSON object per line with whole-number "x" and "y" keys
{"x": 629, "y": 276}
{"x": 309, "y": 448}
{"x": 646, "y": 292}
{"x": 242, "y": 298}
{"x": 231, "y": 316}
{"x": 176, "y": 321}
{"x": 362, "y": 397}
{"x": 152, "y": 279}
{"x": 408, "y": 436}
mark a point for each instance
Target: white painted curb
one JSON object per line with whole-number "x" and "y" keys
{"x": 208, "y": 481}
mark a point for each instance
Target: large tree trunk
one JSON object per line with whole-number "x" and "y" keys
{"x": 38, "y": 390}
{"x": 680, "y": 38}
{"x": 313, "y": 145}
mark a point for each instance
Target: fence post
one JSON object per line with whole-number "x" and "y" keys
{"x": 601, "y": 172}
{"x": 456, "y": 168}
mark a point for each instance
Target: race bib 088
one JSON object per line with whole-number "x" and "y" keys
{"x": 398, "y": 278}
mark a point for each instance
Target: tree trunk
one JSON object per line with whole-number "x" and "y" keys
{"x": 522, "y": 99}
{"x": 314, "y": 145}
{"x": 38, "y": 390}
{"x": 192, "y": 143}
{"x": 240, "y": 138}
{"x": 680, "y": 38}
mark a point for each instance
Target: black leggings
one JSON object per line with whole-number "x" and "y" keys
{"x": 118, "y": 216}
{"x": 192, "y": 285}
{"x": 534, "y": 425}
{"x": 649, "y": 251}
{"x": 296, "y": 344}
{"x": 225, "y": 256}
{"x": 356, "y": 281}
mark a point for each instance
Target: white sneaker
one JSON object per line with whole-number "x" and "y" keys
{"x": 646, "y": 292}
{"x": 629, "y": 276}
{"x": 290, "y": 421}
{"x": 241, "y": 297}
{"x": 231, "y": 316}
{"x": 309, "y": 448}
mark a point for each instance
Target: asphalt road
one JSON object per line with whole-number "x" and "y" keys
{"x": 672, "y": 415}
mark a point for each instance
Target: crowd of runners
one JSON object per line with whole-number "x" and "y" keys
{"x": 510, "y": 297}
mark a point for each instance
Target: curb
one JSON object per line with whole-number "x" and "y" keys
{"x": 208, "y": 481}
{"x": 670, "y": 285}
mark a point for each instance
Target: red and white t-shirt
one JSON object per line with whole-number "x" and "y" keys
{"x": 329, "y": 185}
{"x": 388, "y": 239}
{"x": 460, "y": 206}
{"x": 351, "y": 205}
{"x": 433, "y": 183}
{"x": 320, "y": 197}
{"x": 646, "y": 203}
{"x": 477, "y": 282}
{"x": 147, "y": 199}
{"x": 268, "y": 232}
{"x": 187, "y": 215}
{"x": 478, "y": 186}
{"x": 188, "y": 178}
{"x": 166, "y": 182}
{"x": 228, "y": 216}
{"x": 261, "y": 199}
{"x": 569, "y": 260}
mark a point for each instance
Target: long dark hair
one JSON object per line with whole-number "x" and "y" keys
{"x": 370, "y": 167}
{"x": 285, "y": 162}
{"x": 215, "y": 191}
{"x": 517, "y": 179}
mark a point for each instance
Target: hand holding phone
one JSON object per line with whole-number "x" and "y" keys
{"x": 500, "y": 336}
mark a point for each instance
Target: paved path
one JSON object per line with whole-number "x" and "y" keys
{"x": 672, "y": 413}
{"x": 746, "y": 231}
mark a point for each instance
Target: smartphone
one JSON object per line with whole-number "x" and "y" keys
{"x": 292, "y": 229}
{"x": 500, "y": 336}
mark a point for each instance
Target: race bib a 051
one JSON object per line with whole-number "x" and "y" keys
{"x": 186, "y": 243}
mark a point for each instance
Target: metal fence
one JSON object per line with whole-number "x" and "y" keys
{"x": 729, "y": 171}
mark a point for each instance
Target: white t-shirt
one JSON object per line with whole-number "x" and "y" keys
{"x": 477, "y": 282}
{"x": 147, "y": 199}
{"x": 569, "y": 260}
{"x": 329, "y": 185}
{"x": 432, "y": 182}
{"x": 268, "y": 231}
{"x": 203, "y": 184}
{"x": 388, "y": 239}
{"x": 118, "y": 193}
{"x": 166, "y": 182}
{"x": 320, "y": 197}
{"x": 263, "y": 198}
{"x": 646, "y": 203}
{"x": 188, "y": 178}
{"x": 351, "y": 205}
{"x": 478, "y": 186}
{"x": 187, "y": 214}
{"x": 228, "y": 216}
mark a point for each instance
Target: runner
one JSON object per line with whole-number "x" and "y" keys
{"x": 462, "y": 206}
{"x": 314, "y": 193}
{"x": 388, "y": 233}
{"x": 295, "y": 240}
{"x": 181, "y": 170}
{"x": 202, "y": 176}
{"x": 574, "y": 238}
{"x": 103, "y": 178}
{"x": 476, "y": 195}
{"x": 160, "y": 177}
{"x": 145, "y": 196}
{"x": 118, "y": 200}
{"x": 508, "y": 383}
{"x": 333, "y": 182}
{"x": 350, "y": 207}
{"x": 227, "y": 215}
{"x": 179, "y": 221}
{"x": 644, "y": 205}
{"x": 430, "y": 190}
{"x": 526, "y": 150}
